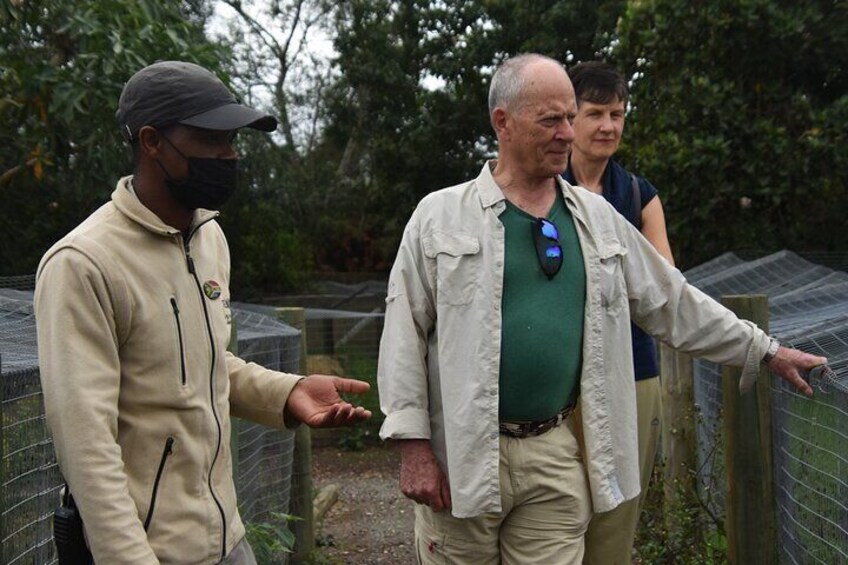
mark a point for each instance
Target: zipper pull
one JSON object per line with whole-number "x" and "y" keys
{"x": 187, "y": 249}
{"x": 174, "y": 306}
{"x": 169, "y": 444}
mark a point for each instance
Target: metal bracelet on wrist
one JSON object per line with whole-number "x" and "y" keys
{"x": 774, "y": 345}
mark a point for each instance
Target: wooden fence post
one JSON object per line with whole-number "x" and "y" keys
{"x": 301, "y": 484}
{"x": 751, "y": 522}
{"x": 679, "y": 442}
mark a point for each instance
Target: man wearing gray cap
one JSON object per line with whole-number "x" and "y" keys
{"x": 133, "y": 315}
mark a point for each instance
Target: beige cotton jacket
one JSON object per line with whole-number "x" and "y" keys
{"x": 440, "y": 350}
{"x": 133, "y": 326}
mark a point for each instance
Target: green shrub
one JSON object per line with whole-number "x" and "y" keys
{"x": 684, "y": 533}
{"x": 271, "y": 540}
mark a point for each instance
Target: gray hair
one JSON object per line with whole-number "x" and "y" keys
{"x": 509, "y": 79}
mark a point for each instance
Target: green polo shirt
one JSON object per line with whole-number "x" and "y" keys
{"x": 542, "y": 319}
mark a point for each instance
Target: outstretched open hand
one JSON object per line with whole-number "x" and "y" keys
{"x": 315, "y": 401}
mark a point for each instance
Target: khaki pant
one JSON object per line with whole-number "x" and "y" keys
{"x": 609, "y": 539}
{"x": 546, "y": 507}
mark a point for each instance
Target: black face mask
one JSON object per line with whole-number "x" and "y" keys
{"x": 209, "y": 184}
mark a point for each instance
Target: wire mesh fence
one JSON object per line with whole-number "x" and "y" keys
{"x": 808, "y": 310}
{"x": 344, "y": 343}
{"x": 30, "y": 475}
{"x": 263, "y": 467}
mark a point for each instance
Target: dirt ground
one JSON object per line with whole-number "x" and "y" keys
{"x": 372, "y": 521}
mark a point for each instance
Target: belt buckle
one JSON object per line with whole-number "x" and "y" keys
{"x": 514, "y": 429}
{"x": 524, "y": 430}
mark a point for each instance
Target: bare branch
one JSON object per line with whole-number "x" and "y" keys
{"x": 264, "y": 35}
{"x": 294, "y": 24}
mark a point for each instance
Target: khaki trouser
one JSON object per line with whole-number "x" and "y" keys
{"x": 609, "y": 539}
{"x": 546, "y": 507}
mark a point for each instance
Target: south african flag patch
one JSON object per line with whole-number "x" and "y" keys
{"x": 212, "y": 289}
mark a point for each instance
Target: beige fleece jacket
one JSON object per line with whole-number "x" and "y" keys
{"x": 133, "y": 326}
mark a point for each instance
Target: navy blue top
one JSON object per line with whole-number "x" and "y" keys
{"x": 618, "y": 190}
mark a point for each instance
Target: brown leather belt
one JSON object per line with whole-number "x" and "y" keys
{"x": 527, "y": 429}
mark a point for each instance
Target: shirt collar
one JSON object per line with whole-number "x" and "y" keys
{"x": 489, "y": 191}
{"x": 491, "y": 194}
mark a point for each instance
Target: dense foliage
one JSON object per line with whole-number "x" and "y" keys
{"x": 737, "y": 115}
{"x": 62, "y": 67}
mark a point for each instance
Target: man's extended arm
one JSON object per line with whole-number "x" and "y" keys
{"x": 281, "y": 400}
{"x": 80, "y": 376}
{"x": 666, "y": 306}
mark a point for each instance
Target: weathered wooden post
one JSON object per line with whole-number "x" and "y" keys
{"x": 751, "y": 523}
{"x": 679, "y": 442}
{"x": 301, "y": 482}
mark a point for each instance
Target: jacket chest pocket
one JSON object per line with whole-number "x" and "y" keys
{"x": 180, "y": 341}
{"x": 611, "y": 276}
{"x": 457, "y": 259}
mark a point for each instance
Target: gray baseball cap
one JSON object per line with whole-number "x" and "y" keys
{"x": 176, "y": 92}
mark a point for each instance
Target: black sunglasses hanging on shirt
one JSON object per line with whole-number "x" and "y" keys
{"x": 548, "y": 249}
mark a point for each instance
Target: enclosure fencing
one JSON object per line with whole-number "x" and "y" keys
{"x": 31, "y": 479}
{"x": 808, "y": 310}
{"x": 343, "y": 343}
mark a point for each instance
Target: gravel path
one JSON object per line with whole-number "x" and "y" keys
{"x": 372, "y": 521}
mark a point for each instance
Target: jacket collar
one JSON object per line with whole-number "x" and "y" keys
{"x": 127, "y": 202}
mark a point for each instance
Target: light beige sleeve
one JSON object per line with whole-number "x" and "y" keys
{"x": 259, "y": 394}
{"x": 669, "y": 308}
{"x": 402, "y": 365}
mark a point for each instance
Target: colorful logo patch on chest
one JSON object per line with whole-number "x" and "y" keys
{"x": 212, "y": 289}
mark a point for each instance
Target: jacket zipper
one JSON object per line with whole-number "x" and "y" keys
{"x": 191, "y": 269}
{"x": 169, "y": 444}
{"x": 180, "y": 338}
